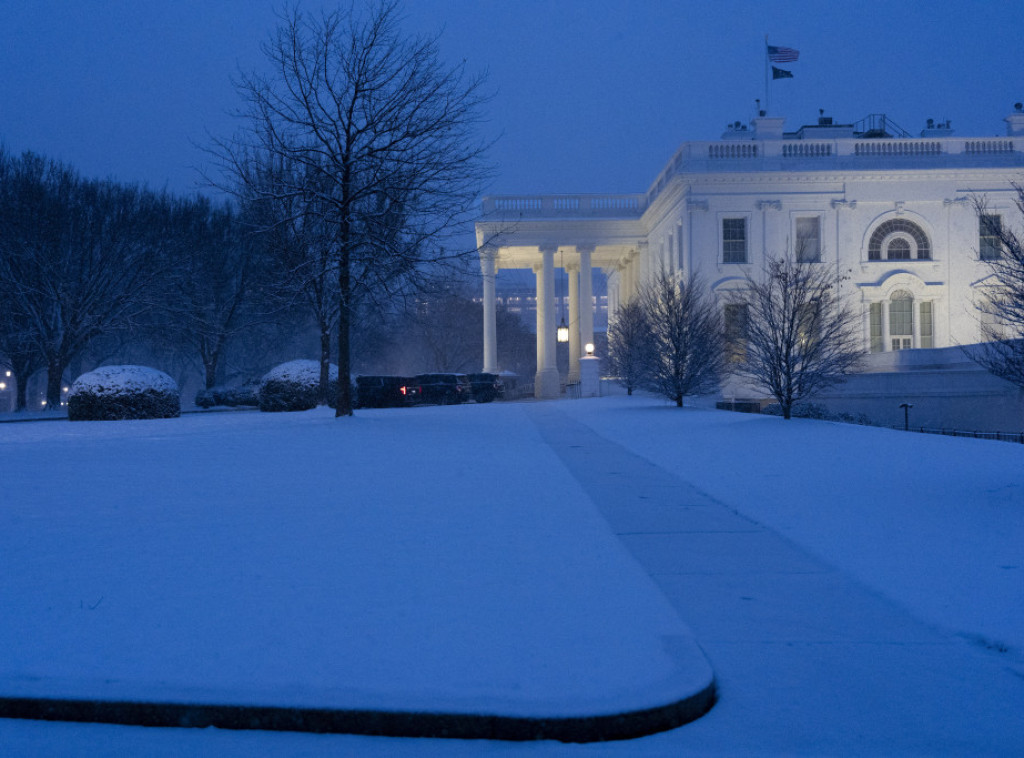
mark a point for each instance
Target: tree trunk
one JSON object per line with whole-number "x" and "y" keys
{"x": 21, "y": 371}
{"x": 210, "y": 369}
{"x": 679, "y": 401}
{"x": 325, "y": 365}
{"x": 787, "y": 410}
{"x": 343, "y": 407}
{"x": 54, "y": 377}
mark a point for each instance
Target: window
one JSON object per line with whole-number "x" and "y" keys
{"x": 899, "y": 240}
{"x": 898, "y": 250}
{"x": 898, "y": 332}
{"x": 808, "y": 239}
{"x": 734, "y": 240}
{"x": 735, "y": 322}
{"x": 989, "y": 246}
{"x": 808, "y": 325}
{"x": 901, "y": 321}
{"x": 875, "y": 318}
{"x": 927, "y": 338}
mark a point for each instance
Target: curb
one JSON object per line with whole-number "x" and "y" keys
{"x": 601, "y": 728}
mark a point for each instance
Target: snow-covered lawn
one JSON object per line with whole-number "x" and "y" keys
{"x": 446, "y": 556}
{"x": 436, "y": 560}
{"x": 936, "y": 523}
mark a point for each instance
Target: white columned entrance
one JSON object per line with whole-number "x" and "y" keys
{"x": 547, "y": 383}
{"x": 487, "y": 265}
{"x": 573, "y": 272}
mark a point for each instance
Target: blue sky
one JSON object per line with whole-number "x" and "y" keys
{"x": 590, "y": 96}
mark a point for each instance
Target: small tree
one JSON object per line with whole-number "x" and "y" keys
{"x": 800, "y": 336}
{"x": 686, "y": 353}
{"x": 629, "y": 346}
{"x": 1002, "y": 312}
{"x": 206, "y": 303}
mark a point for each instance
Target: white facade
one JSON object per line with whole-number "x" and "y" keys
{"x": 893, "y": 215}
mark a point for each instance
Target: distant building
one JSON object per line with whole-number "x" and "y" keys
{"x": 891, "y": 212}
{"x": 518, "y": 298}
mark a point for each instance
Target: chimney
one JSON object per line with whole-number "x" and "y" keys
{"x": 767, "y": 128}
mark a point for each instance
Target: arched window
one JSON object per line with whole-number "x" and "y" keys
{"x": 892, "y": 324}
{"x": 899, "y": 240}
{"x": 901, "y": 320}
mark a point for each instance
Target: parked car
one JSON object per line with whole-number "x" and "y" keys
{"x": 487, "y": 387}
{"x": 385, "y": 391}
{"x": 444, "y": 389}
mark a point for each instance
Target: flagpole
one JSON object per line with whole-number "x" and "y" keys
{"x": 767, "y": 84}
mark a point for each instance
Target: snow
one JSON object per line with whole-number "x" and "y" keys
{"x": 896, "y": 510}
{"x": 119, "y": 380}
{"x": 301, "y": 371}
{"x": 857, "y": 590}
{"x": 388, "y": 562}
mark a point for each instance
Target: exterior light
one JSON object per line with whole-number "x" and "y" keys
{"x": 66, "y": 389}
{"x": 44, "y": 402}
{"x": 906, "y": 415}
{"x": 3, "y": 385}
{"x": 562, "y": 334}
{"x": 589, "y": 347}
{"x": 8, "y": 373}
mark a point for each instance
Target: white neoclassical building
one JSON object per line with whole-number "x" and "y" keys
{"x": 893, "y": 213}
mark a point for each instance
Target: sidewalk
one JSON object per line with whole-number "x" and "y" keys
{"x": 809, "y": 662}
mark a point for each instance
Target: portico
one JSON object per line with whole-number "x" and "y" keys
{"x": 547, "y": 247}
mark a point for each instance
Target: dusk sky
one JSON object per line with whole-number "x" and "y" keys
{"x": 590, "y": 96}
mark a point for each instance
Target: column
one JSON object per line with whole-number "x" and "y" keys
{"x": 547, "y": 383}
{"x": 488, "y": 268}
{"x": 573, "y": 272}
{"x": 614, "y": 279}
{"x": 586, "y": 297}
{"x": 915, "y": 323}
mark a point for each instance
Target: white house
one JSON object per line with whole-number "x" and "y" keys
{"x": 894, "y": 214}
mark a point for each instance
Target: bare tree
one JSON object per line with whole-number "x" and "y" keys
{"x": 686, "y": 351}
{"x": 1002, "y": 311}
{"x": 77, "y": 258}
{"x": 801, "y": 337}
{"x": 380, "y": 137}
{"x": 211, "y": 272}
{"x": 300, "y": 248}
{"x": 629, "y": 346}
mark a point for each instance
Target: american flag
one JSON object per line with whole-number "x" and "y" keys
{"x": 782, "y": 54}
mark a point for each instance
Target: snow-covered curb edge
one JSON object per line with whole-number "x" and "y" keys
{"x": 379, "y": 723}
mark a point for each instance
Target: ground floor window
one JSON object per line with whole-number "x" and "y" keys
{"x": 927, "y": 338}
{"x": 734, "y": 317}
{"x": 901, "y": 323}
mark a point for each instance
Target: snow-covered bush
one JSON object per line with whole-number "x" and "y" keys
{"x": 293, "y": 386}
{"x": 815, "y": 411}
{"x": 123, "y": 392}
{"x": 245, "y": 394}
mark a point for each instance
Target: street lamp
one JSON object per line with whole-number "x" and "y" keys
{"x": 906, "y": 415}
